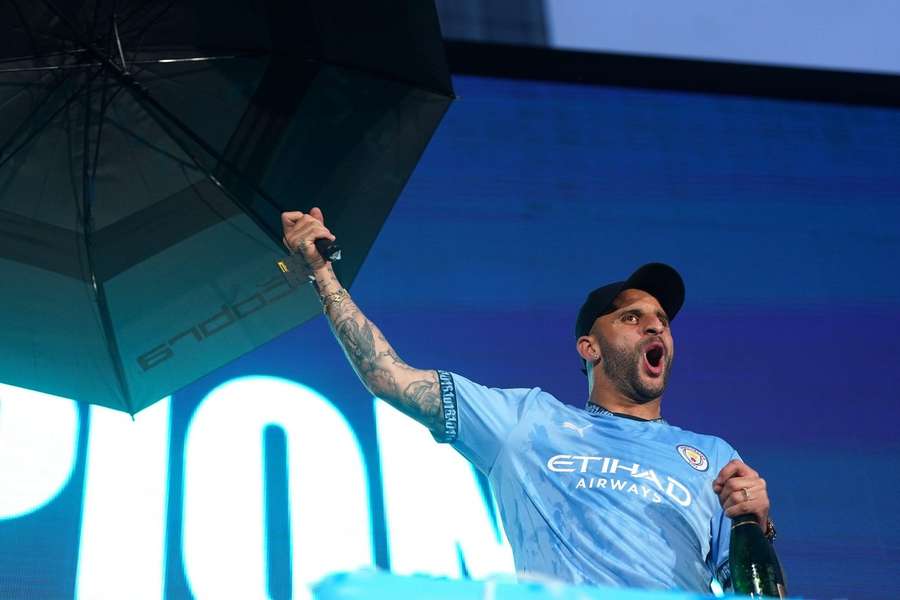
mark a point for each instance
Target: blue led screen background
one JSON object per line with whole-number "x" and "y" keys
{"x": 784, "y": 219}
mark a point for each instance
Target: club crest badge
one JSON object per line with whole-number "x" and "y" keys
{"x": 694, "y": 457}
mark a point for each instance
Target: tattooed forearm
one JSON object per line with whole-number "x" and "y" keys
{"x": 358, "y": 342}
{"x": 425, "y": 394}
{"x": 413, "y": 391}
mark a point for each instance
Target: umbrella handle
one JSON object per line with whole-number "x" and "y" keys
{"x": 329, "y": 250}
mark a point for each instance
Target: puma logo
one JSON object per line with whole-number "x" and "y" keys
{"x": 575, "y": 428}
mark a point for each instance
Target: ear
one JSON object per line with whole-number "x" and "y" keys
{"x": 588, "y": 349}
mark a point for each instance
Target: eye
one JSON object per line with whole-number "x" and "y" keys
{"x": 630, "y": 318}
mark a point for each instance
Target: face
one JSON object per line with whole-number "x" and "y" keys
{"x": 636, "y": 346}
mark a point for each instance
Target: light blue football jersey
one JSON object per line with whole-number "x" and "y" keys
{"x": 587, "y": 497}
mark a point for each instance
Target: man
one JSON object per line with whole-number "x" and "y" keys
{"x": 610, "y": 494}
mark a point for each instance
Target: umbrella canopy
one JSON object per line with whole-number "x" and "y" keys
{"x": 147, "y": 150}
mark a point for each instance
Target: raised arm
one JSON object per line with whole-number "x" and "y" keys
{"x": 414, "y": 391}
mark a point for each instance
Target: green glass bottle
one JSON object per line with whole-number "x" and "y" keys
{"x": 755, "y": 571}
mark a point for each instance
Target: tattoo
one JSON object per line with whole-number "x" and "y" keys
{"x": 379, "y": 367}
{"x": 358, "y": 341}
{"x": 426, "y": 395}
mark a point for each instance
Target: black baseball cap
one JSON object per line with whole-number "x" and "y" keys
{"x": 657, "y": 279}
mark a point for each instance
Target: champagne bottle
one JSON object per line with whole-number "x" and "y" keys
{"x": 755, "y": 571}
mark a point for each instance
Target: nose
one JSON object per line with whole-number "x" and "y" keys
{"x": 654, "y": 326}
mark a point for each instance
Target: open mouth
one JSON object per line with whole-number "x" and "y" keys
{"x": 653, "y": 358}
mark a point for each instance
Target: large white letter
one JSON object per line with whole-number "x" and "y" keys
{"x": 224, "y": 521}
{"x": 38, "y": 439}
{"x": 123, "y": 519}
{"x": 434, "y": 505}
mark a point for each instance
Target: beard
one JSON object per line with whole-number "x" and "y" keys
{"x": 623, "y": 368}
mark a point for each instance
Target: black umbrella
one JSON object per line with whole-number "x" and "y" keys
{"x": 147, "y": 149}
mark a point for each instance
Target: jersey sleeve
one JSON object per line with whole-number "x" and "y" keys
{"x": 478, "y": 419}
{"x": 721, "y": 534}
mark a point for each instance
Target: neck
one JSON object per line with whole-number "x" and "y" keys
{"x": 615, "y": 401}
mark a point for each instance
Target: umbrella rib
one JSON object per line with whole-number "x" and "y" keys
{"x": 49, "y": 68}
{"x": 146, "y": 61}
{"x": 36, "y": 56}
{"x": 191, "y": 59}
{"x": 100, "y": 120}
{"x": 87, "y": 198}
{"x": 103, "y": 107}
{"x": 115, "y": 27}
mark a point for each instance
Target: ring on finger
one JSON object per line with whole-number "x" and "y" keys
{"x": 747, "y": 496}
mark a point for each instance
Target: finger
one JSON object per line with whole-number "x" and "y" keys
{"x": 748, "y": 508}
{"x": 288, "y": 219}
{"x": 309, "y": 228}
{"x": 303, "y": 238}
{"x": 317, "y": 232}
{"x": 735, "y": 468}
{"x": 726, "y": 472}
{"x": 316, "y": 213}
{"x": 744, "y": 508}
{"x": 736, "y": 485}
{"x": 737, "y": 482}
{"x": 758, "y": 496}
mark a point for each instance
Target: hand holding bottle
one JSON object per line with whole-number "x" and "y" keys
{"x": 742, "y": 491}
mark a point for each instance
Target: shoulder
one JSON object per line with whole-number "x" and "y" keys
{"x": 461, "y": 382}
{"x": 464, "y": 387}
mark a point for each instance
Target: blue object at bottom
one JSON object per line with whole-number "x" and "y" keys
{"x": 369, "y": 585}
